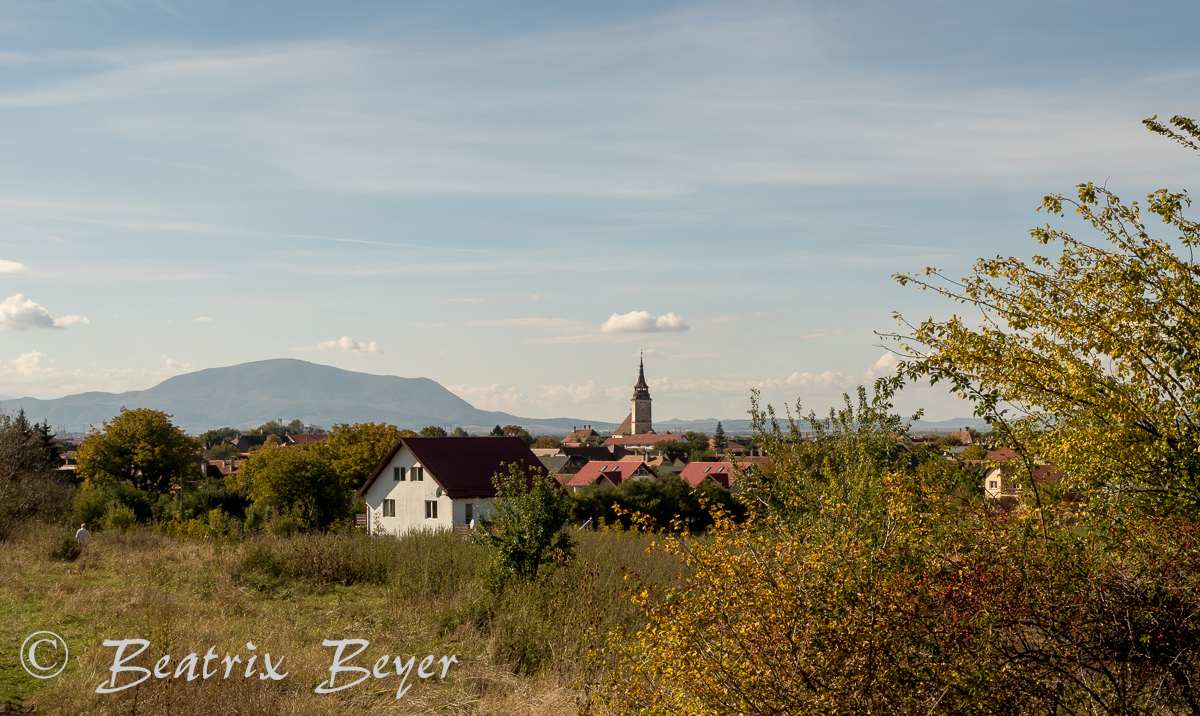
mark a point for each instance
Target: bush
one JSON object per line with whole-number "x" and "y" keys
{"x": 118, "y": 517}
{"x": 67, "y": 549}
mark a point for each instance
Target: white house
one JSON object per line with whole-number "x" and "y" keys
{"x": 439, "y": 482}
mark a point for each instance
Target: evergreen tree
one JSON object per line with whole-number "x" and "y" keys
{"x": 719, "y": 442}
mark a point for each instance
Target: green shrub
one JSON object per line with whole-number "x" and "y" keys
{"x": 66, "y": 549}
{"x": 118, "y": 517}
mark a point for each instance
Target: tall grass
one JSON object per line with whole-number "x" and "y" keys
{"x": 520, "y": 651}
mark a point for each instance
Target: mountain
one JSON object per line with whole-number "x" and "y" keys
{"x": 250, "y": 394}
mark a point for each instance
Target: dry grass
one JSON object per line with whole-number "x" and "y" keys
{"x": 521, "y": 652}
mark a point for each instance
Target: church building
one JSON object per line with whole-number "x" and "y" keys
{"x": 638, "y": 421}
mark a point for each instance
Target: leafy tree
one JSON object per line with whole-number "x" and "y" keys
{"x": 222, "y": 451}
{"x": 525, "y": 527}
{"x": 281, "y": 429}
{"x": 1087, "y": 360}
{"x": 719, "y": 441}
{"x": 433, "y": 431}
{"x": 296, "y": 480}
{"x": 974, "y": 452}
{"x": 212, "y": 438}
{"x": 142, "y": 447}
{"x": 667, "y": 500}
{"x": 353, "y": 451}
{"x": 694, "y": 442}
{"x": 460, "y": 433}
{"x": 497, "y": 432}
{"x": 27, "y": 460}
{"x": 547, "y": 443}
{"x": 516, "y": 431}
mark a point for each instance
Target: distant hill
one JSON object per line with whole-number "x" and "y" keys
{"x": 250, "y": 394}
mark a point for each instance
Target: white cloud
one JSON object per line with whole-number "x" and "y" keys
{"x": 18, "y": 313}
{"x": 490, "y": 397}
{"x": 644, "y": 322}
{"x": 202, "y": 319}
{"x": 12, "y": 267}
{"x": 36, "y": 374}
{"x": 345, "y": 344}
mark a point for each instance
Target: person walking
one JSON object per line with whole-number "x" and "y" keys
{"x": 82, "y": 536}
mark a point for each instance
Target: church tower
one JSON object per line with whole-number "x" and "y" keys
{"x": 640, "y": 422}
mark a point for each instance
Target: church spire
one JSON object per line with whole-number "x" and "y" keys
{"x": 640, "y": 389}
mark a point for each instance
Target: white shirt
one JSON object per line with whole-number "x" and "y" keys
{"x": 82, "y": 535}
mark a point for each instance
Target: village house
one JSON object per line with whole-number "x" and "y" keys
{"x": 1005, "y": 476}
{"x": 721, "y": 473}
{"x": 615, "y": 472}
{"x": 438, "y": 483}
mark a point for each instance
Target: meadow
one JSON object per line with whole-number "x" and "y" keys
{"x": 525, "y": 650}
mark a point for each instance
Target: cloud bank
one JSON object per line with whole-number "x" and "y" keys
{"x": 644, "y": 322}
{"x": 345, "y": 344}
{"x": 18, "y": 313}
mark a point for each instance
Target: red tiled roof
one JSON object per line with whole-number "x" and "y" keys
{"x": 719, "y": 472}
{"x": 615, "y": 471}
{"x": 580, "y": 435}
{"x": 463, "y": 466}
{"x": 643, "y": 439}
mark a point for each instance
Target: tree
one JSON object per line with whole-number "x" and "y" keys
{"x": 212, "y": 438}
{"x": 460, "y": 433}
{"x": 353, "y": 451}
{"x": 433, "y": 431}
{"x": 1087, "y": 360}
{"x": 27, "y": 489}
{"x": 694, "y": 442}
{"x": 719, "y": 442}
{"x": 295, "y": 480}
{"x": 516, "y": 431}
{"x": 142, "y": 447}
{"x": 547, "y": 443}
{"x": 524, "y": 529}
{"x": 497, "y": 432}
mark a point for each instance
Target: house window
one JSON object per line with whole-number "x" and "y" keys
{"x": 418, "y": 474}
{"x": 430, "y": 510}
{"x": 389, "y": 508}
{"x": 467, "y": 513}
{"x": 992, "y": 485}
{"x": 396, "y": 474}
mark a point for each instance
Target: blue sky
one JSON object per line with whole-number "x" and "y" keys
{"x": 514, "y": 198}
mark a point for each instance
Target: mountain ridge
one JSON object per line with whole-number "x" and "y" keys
{"x": 249, "y": 394}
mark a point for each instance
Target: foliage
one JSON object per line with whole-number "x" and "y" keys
{"x": 293, "y": 480}
{"x": 353, "y": 451}
{"x": 1087, "y": 360}
{"x": 139, "y": 446}
{"x": 892, "y": 592}
{"x": 497, "y": 432}
{"x": 460, "y": 433}
{"x": 66, "y": 549}
{"x": 524, "y": 529}
{"x": 433, "y": 431}
{"x": 719, "y": 441}
{"x": 974, "y": 452}
{"x": 667, "y": 500}
{"x": 91, "y": 506}
{"x": 516, "y": 431}
{"x": 222, "y": 451}
{"x": 694, "y": 442}
{"x": 217, "y": 436}
{"x": 280, "y": 429}
{"x": 547, "y": 443}
{"x": 28, "y": 489}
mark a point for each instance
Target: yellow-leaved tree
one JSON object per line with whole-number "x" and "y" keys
{"x": 1089, "y": 359}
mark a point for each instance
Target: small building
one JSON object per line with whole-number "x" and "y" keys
{"x": 438, "y": 483}
{"x": 613, "y": 473}
{"x": 303, "y": 439}
{"x": 721, "y": 473}
{"x": 580, "y": 436}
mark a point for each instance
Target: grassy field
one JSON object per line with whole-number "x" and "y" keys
{"x": 524, "y": 651}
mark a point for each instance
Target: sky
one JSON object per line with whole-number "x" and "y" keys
{"x": 516, "y": 198}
